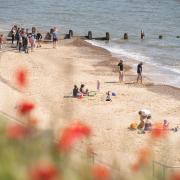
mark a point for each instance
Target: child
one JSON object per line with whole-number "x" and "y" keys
{"x": 108, "y": 98}
{"x": 165, "y": 125}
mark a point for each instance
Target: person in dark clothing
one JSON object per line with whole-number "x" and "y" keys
{"x": 121, "y": 71}
{"x": 20, "y": 43}
{"x": 75, "y": 91}
{"x": 25, "y": 43}
{"x": 17, "y": 36}
{"x": 139, "y": 72}
{"x": 38, "y": 37}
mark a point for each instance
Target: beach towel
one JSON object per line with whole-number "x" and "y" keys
{"x": 91, "y": 94}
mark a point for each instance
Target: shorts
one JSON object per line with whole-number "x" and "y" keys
{"x": 55, "y": 39}
{"x": 121, "y": 72}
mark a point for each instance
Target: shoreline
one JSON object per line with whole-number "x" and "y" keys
{"x": 147, "y": 67}
{"x": 128, "y": 66}
{"x": 130, "y": 62}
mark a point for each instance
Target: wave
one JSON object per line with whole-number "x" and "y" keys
{"x": 163, "y": 69}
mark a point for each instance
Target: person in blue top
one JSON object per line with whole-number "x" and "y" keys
{"x": 55, "y": 37}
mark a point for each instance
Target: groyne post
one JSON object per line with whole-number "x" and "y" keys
{"x": 107, "y": 36}
{"x": 89, "y": 35}
{"x": 70, "y": 34}
{"x": 125, "y": 36}
{"x": 142, "y": 34}
{"x": 160, "y": 36}
{"x": 33, "y": 29}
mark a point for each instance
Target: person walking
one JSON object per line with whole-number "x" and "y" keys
{"x": 17, "y": 36}
{"x": 139, "y": 72}
{"x": 32, "y": 40}
{"x": 39, "y": 37}
{"x": 121, "y": 71}
{"x": 13, "y": 32}
{"x": 20, "y": 42}
{"x": 55, "y": 37}
{"x": 25, "y": 43}
{"x": 1, "y": 41}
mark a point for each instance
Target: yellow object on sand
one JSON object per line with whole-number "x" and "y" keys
{"x": 133, "y": 126}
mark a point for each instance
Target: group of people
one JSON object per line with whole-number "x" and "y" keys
{"x": 146, "y": 124}
{"x": 121, "y": 71}
{"x": 23, "y": 38}
{"x": 80, "y": 92}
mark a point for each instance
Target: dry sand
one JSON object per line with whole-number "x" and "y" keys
{"x": 53, "y": 72}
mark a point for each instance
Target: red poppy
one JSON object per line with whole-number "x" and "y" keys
{"x": 135, "y": 167}
{"x": 175, "y": 176}
{"x": 158, "y": 131}
{"x": 25, "y": 108}
{"x": 17, "y": 131}
{"x": 73, "y": 133}
{"x": 143, "y": 159}
{"x": 101, "y": 172}
{"x": 44, "y": 172}
{"x": 144, "y": 155}
{"x": 33, "y": 121}
{"x": 21, "y": 78}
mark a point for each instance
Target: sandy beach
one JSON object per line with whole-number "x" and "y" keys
{"x": 53, "y": 73}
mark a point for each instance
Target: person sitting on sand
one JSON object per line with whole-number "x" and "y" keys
{"x": 148, "y": 124}
{"x": 165, "y": 125}
{"x": 75, "y": 91}
{"x": 144, "y": 114}
{"x": 83, "y": 91}
{"x": 108, "y": 98}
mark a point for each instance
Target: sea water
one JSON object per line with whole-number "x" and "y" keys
{"x": 155, "y": 17}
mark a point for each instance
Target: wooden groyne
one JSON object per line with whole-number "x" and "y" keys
{"x": 48, "y": 35}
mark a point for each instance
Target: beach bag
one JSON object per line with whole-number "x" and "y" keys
{"x": 113, "y": 94}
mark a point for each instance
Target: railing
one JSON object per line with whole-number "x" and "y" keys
{"x": 164, "y": 169}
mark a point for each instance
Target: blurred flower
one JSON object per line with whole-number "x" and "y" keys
{"x": 158, "y": 131}
{"x": 101, "y": 172}
{"x": 21, "y": 77}
{"x": 73, "y": 133}
{"x": 44, "y": 172}
{"x": 175, "y": 176}
{"x": 25, "y": 107}
{"x": 17, "y": 131}
{"x": 135, "y": 167}
{"x": 143, "y": 159}
{"x": 33, "y": 121}
{"x": 144, "y": 155}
